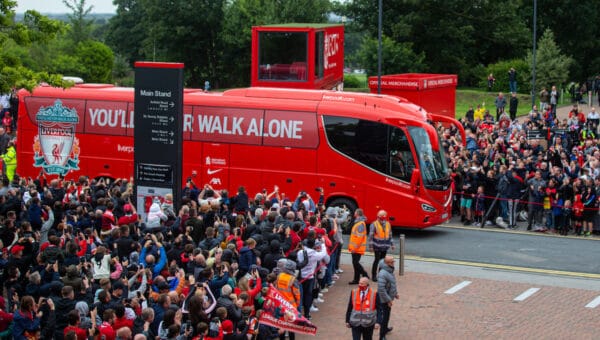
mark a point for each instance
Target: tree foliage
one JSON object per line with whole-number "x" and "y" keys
{"x": 552, "y": 67}
{"x": 80, "y": 26}
{"x": 15, "y": 38}
{"x": 396, "y": 57}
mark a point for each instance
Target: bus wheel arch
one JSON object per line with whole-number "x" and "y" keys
{"x": 349, "y": 203}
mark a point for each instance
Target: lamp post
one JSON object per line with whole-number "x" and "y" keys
{"x": 379, "y": 19}
{"x": 534, "y": 53}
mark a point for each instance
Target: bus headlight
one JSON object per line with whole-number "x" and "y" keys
{"x": 427, "y": 207}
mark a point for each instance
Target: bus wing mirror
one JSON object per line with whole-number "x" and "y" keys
{"x": 433, "y": 137}
{"x": 415, "y": 179}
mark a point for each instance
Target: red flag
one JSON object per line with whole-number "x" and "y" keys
{"x": 278, "y": 312}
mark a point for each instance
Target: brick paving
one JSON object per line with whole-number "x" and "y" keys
{"x": 483, "y": 310}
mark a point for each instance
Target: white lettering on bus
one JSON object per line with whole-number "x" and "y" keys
{"x": 188, "y": 121}
{"x": 255, "y": 128}
{"x": 104, "y": 117}
{"x": 279, "y": 128}
{"x": 213, "y": 124}
{"x": 124, "y": 148}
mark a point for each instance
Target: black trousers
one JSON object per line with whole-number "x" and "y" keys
{"x": 358, "y": 268}
{"x": 385, "y": 319}
{"x": 365, "y": 332}
{"x": 379, "y": 254}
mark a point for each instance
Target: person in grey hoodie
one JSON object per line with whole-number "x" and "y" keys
{"x": 386, "y": 292}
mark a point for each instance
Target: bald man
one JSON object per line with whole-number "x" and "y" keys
{"x": 380, "y": 240}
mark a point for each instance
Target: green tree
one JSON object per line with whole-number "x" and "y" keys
{"x": 455, "y": 36}
{"x": 96, "y": 60}
{"x": 80, "y": 25}
{"x": 575, "y": 27}
{"x": 126, "y": 30}
{"x": 552, "y": 66}
{"x": 396, "y": 57}
{"x": 15, "y": 37}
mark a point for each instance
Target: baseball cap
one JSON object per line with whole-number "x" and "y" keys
{"x": 127, "y": 207}
{"x": 16, "y": 248}
{"x": 227, "y": 326}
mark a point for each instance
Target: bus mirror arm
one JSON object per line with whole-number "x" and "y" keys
{"x": 415, "y": 180}
{"x": 456, "y": 123}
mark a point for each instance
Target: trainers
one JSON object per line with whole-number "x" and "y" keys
{"x": 335, "y": 277}
{"x": 319, "y": 300}
{"x": 476, "y": 224}
{"x": 324, "y": 290}
{"x": 339, "y": 271}
{"x": 313, "y": 309}
{"x": 320, "y": 295}
{"x": 467, "y": 223}
{"x": 489, "y": 223}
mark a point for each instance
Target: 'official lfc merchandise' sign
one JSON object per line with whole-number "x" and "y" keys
{"x": 56, "y": 142}
{"x": 280, "y": 313}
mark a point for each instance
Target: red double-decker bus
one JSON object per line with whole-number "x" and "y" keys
{"x": 365, "y": 150}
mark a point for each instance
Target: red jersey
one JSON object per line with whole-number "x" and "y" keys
{"x": 81, "y": 333}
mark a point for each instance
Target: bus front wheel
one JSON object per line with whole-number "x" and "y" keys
{"x": 348, "y": 204}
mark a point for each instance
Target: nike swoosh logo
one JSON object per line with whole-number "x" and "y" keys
{"x": 212, "y": 172}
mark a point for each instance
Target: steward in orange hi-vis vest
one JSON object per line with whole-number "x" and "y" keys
{"x": 358, "y": 238}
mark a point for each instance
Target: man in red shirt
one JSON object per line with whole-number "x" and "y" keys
{"x": 74, "y": 320}
{"x": 106, "y": 328}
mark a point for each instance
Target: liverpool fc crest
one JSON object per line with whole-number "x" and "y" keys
{"x": 56, "y": 148}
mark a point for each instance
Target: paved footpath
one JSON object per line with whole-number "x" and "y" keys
{"x": 441, "y": 301}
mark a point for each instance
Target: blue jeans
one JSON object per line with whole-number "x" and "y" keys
{"x": 503, "y": 207}
{"x": 512, "y": 85}
{"x": 330, "y": 267}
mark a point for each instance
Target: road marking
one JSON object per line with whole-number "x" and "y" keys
{"x": 457, "y": 287}
{"x": 594, "y": 303}
{"x": 529, "y": 292}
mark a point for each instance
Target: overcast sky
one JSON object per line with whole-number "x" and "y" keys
{"x": 57, "y": 6}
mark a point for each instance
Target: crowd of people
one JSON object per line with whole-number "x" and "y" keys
{"x": 538, "y": 168}
{"x": 78, "y": 261}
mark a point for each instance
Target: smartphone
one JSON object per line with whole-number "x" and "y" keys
{"x": 82, "y": 259}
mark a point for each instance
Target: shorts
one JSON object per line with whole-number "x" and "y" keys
{"x": 466, "y": 202}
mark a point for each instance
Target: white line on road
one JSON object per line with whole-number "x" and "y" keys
{"x": 457, "y": 287}
{"x": 529, "y": 292}
{"x": 594, "y": 303}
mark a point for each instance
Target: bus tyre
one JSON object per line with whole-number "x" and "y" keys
{"x": 351, "y": 206}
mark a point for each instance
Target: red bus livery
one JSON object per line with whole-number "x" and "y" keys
{"x": 365, "y": 150}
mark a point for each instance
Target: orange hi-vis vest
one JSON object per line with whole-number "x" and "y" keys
{"x": 358, "y": 238}
{"x": 382, "y": 232}
{"x": 363, "y": 312}
{"x": 286, "y": 286}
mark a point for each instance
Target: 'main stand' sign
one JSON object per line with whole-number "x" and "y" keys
{"x": 158, "y": 133}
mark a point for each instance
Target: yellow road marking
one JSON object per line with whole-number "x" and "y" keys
{"x": 495, "y": 266}
{"x": 522, "y": 232}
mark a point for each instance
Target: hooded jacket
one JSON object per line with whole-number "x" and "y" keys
{"x": 386, "y": 283}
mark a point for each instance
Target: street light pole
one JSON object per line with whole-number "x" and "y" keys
{"x": 379, "y": 19}
{"x": 534, "y": 53}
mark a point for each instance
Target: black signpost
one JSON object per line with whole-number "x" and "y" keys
{"x": 158, "y": 134}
